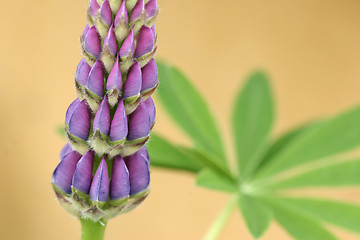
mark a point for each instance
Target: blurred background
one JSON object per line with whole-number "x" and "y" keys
{"x": 309, "y": 48}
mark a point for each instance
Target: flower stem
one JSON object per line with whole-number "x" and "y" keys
{"x": 92, "y": 230}
{"x": 220, "y": 222}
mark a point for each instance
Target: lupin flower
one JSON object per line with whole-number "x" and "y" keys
{"x": 109, "y": 123}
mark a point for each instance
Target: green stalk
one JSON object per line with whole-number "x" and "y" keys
{"x": 220, "y": 222}
{"x": 92, "y": 230}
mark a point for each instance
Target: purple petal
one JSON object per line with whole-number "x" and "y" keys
{"x": 96, "y": 79}
{"x": 139, "y": 123}
{"x": 151, "y": 109}
{"x": 64, "y": 172}
{"x": 151, "y": 9}
{"x": 79, "y": 124}
{"x": 105, "y": 12}
{"x": 83, "y": 174}
{"x": 82, "y": 72}
{"x": 99, "y": 190}
{"x": 145, "y": 42}
{"x": 92, "y": 42}
{"x": 114, "y": 80}
{"x": 143, "y": 152}
{"x": 122, "y": 15}
{"x": 132, "y": 85}
{"x": 86, "y": 29}
{"x": 110, "y": 41}
{"x": 153, "y": 29}
{"x": 102, "y": 118}
{"x": 70, "y": 110}
{"x": 119, "y": 125}
{"x": 137, "y": 11}
{"x": 120, "y": 183}
{"x": 65, "y": 150}
{"x": 149, "y": 75}
{"x": 94, "y": 7}
{"x": 128, "y": 46}
{"x": 139, "y": 173}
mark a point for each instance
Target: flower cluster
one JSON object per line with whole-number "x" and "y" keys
{"x": 104, "y": 168}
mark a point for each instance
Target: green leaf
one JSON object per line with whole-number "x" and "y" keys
{"x": 345, "y": 173}
{"x": 213, "y": 180}
{"x": 164, "y": 154}
{"x": 341, "y": 214}
{"x": 189, "y": 110}
{"x": 256, "y": 215}
{"x": 297, "y": 224}
{"x": 252, "y": 121}
{"x": 338, "y": 135}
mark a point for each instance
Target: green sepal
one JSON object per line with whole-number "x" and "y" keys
{"x": 143, "y": 60}
{"x": 100, "y": 142}
{"x": 101, "y": 27}
{"x": 115, "y": 207}
{"x": 129, "y": 148}
{"x": 108, "y": 59}
{"x": 130, "y": 4}
{"x": 113, "y": 97}
{"x": 130, "y": 108}
{"x": 79, "y": 90}
{"x": 115, "y": 6}
{"x": 137, "y": 24}
{"x": 92, "y": 99}
{"x": 76, "y": 143}
{"x": 119, "y": 202}
{"x": 147, "y": 93}
{"x": 121, "y": 31}
{"x": 131, "y": 99}
{"x": 65, "y": 201}
{"x": 136, "y": 200}
{"x": 126, "y": 63}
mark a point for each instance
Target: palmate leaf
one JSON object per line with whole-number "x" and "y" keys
{"x": 335, "y": 136}
{"x": 215, "y": 181}
{"x": 252, "y": 122}
{"x": 189, "y": 110}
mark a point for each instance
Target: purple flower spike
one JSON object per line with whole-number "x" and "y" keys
{"x": 70, "y": 110}
{"x": 82, "y": 72}
{"x": 94, "y": 8}
{"x": 79, "y": 123}
{"x": 92, "y": 42}
{"x": 114, "y": 80}
{"x": 137, "y": 11}
{"x": 83, "y": 174}
{"x": 65, "y": 150}
{"x": 122, "y": 15}
{"x": 151, "y": 109}
{"x": 139, "y": 173}
{"x": 145, "y": 42}
{"x": 120, "y": 183}
{"x": 64, "y": 172}
{"x": 151, "y": 9}
{"x": 102, "y": 118}
{"x": 99, "y": 190}
{"x": 119, "y": 125}
{"x": 128, "y": 46}
{"x": 105, "y": 13}
{"x": 149, "y": 76}
{"x": 132, "y": 85}
{"x": 143, "y": 152}
{"x": 139, "y": 123}
{"x": 110, "y": 41}
{"x": 96, "y": 79}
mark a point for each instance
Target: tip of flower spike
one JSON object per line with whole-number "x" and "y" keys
{"x": 106, "y": 13}
{"x": 92, "y": 42}
{"x": 65, "y": 150}
{"x": 145, "y": 42}
{"x": 110, "y": 41}
{"x": 82, "y": 72}
{"x": 79, "y": 123}
{"x": 137, "y": 11}
{"x": 128, "y": 46}
{"x": 151, "y": 109}
{"x": 151, "y": 9}
{"x": 149, "y": 76}
{"x": 63, "y": 174}
{"x": 99, "y": 190}
{"x": 139, "y": 173}
{"x": 102, "y": 118}
{"x": 122, "y": 15}
{"x": 114, "y": 80}
{"x": 139, "y": 123}
{"x": 132, "y": 85}
{"x": 96, "y": 79}
{"x": 119, "y": 125}
{"x": 120, "y": 183}
{"x": 70, "y": 110}
{"x": 83, "y": 173}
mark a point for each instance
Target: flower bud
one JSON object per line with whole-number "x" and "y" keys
{"x": 114, "y": 83}
{"x": 145, "y": 48}
{"x": 104, "y": 19}
{"x": 82, "y": 178}
{"x": 118, "y": 130}
{"x": 120, "y": 183}
{"x": 94, "y": 90}
{"x": 65, "y": 150}
{"x": 149, "y": 79}
{"x": 101, "y": 128}
{"x": 99, "y": 190}
{"x": 93, "y": 10}
{"x": 132, "y": 84}
{"x": 143, "y": 152}
{"x": 91, "y": 47}
{"x": 121, "y": 23}
{"x": 152, "y": 110}
{"x": 137, "y": 17}
{"x": 126, "y": 52}
{"x": 139, "y": 124}
{"x": 81, "y": 77}
{"x": 109, "y": 50}
{"x": 151, "y": 11}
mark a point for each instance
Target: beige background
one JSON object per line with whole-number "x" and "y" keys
{"x": 310, "y": 48}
